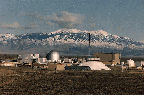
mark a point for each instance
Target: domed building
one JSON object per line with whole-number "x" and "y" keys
{"x": 53, "y": 55}
{"x": 95, "y": 65}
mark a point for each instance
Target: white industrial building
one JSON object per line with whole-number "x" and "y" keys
{"x": 131, "y": 63}
{"x": 27, "y": 58}
{"x": 42, "y": 60}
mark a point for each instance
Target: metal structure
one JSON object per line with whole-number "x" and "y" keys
{"x": 53, "y": 56}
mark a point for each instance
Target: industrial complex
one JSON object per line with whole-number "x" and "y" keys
{"x": 54, "y": 61}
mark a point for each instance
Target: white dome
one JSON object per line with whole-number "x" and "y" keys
{"x": 95, "y": 65}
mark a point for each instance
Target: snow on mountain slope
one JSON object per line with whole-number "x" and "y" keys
{"x": 76, "y": 37}
{"x": 99, "y": 38}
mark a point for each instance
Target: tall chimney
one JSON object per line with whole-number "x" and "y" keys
{"x": 89, "y": 43}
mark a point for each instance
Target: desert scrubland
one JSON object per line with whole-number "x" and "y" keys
{"x": 24, "y": 80}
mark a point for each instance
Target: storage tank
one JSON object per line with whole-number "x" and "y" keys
{"x": 131, "y": 63}
{"x": 53, "y": 56}
{"x": 122, "y": 63}
{"x": 142, "y": 63}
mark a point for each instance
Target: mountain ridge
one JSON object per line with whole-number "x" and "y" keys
{"x": 73, "y": 39}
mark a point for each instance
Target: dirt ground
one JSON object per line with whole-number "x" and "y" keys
{"x": 24, "y": 80}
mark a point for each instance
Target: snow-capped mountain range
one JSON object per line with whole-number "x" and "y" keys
{"x": 71, "y": 37}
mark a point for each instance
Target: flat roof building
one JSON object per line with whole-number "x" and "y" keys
{"x": 108, "y": 58}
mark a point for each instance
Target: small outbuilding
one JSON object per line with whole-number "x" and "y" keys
{"x": 52, "y": 66}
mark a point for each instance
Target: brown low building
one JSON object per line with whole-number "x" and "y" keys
{"x": 108, "y": 58}
{"x": 52, "y": 66}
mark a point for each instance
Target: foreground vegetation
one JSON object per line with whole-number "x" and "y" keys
{"x": 26, "y": 81}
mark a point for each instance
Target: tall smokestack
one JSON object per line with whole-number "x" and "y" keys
{"x": 89, "y": 43}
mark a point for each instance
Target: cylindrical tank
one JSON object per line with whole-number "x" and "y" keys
{"x": 131, "y": 63}
{"x": 122, "y": 63}
{"x": 70, "y": 60}
{"x": 53, "y": 56}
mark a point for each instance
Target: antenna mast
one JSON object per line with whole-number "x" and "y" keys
{"x": 89, "y": 44}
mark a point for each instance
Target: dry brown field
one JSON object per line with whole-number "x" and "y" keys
{"x": 24, "y": 80}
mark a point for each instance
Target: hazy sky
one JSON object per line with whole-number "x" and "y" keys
{"x": 117, "y": 17}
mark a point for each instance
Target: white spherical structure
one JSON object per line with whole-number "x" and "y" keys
{"x": 53, "y": 56}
